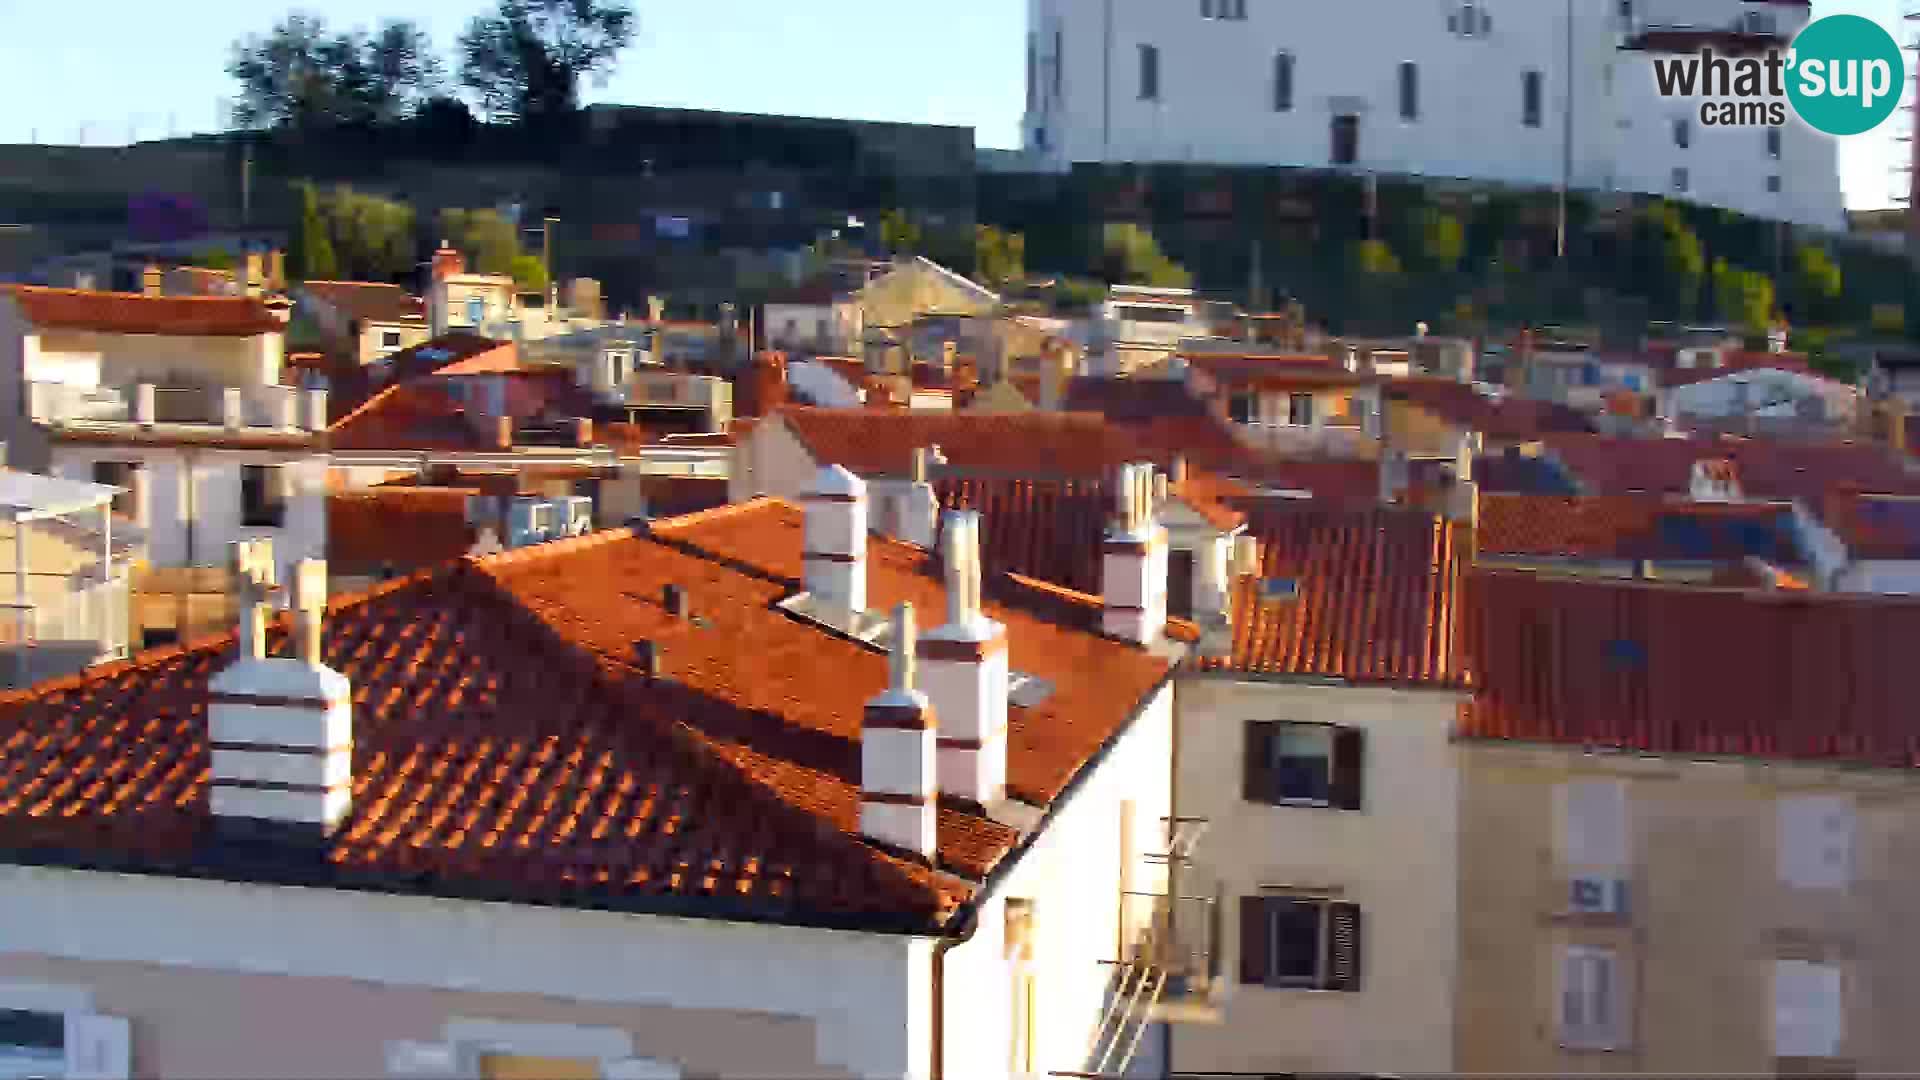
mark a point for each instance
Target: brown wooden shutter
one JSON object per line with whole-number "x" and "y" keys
{"x": 1349, "y": 766}
{"x": 1259, "y": 760}
{"x": 1255, "y": 931}
{"x": 1343, "y": 967}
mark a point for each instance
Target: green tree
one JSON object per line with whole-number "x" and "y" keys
{"x": 1438, "y": 240}
{"x": 1129, "y": 255}
{"x": 1744, "y": 297}
{"x": 524, "y": 61}
{"x": 1375, "y": 258}
{"x": 998, "y": 257}
{"x": 529, "y": 273}
{"x": 310, "y": 255}
{"x": 1667, "y": 265}
{"x": 1816, "y": 285}
{"x": 487, "y": 240}
{"x": 372, "y": 237}
{"x": 299, "y": 75}
{"x": 898, "y": 234}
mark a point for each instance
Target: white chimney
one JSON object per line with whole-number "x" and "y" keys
{"x": 835, "y": 551}
{"x": 143, "y": 404}
{"x": 964, "y": 672}
{"x": 1463, "y": 502}
{"x": 898, "y": 771}
{"x": 315, "y": 403}
{"x": 280, "y": 728}
{"x": 1393, "y": 475}
{"x": 920, "y": 509}
{"x": 1134, "y": 562}
{"x": 233, "y": 414}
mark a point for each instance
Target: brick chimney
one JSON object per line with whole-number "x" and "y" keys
{"x": 964, "y": 672}
{"x": 835, "y": 546}
{"x": 767, "y": 382}
{"x": 1133, "y": 570}
{"x": 447, "y": 261}
{"x": 898, "y": 759}
{"x": 280, "y": 728}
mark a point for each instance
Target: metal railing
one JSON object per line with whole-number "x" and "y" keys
{"x": 252, "y": 406}
{"x": 86, "y": 626}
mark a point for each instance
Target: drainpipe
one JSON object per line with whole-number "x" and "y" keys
{"x": 962, "y": 932}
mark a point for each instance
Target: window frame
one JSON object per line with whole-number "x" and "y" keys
{"x": 129, "y": 477}
{"x": 1682, "y": 133}
{"x": 1773, "y": 184}
{"x": 1407, "y": 82}
{"x": 1533, "y": 98}
{"x": 1336, "y": 969}
{"x": 1607, "y": 1034}
{"x": 1346, "y": 766}
{"x": 1283, "y": 64}
{"x": 1148, "y": 71}
{"x": 1682, "y": 179}
{"x": 1298, "y": 404}
{"x": 390, "y": 339}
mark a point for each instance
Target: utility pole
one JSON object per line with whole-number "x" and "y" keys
{"x": 1566, "y": 145}
{"x": 246, "y": 183}
{"x": 546, "y": 257}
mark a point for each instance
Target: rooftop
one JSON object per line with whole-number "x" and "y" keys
{"x": 1768, "y": 469}
{"x": 1873, "y": 526}
{"x": 506, "y": 747}
{"x": 135, "y": 313}
{"x": 402, "y": 528}
{"x": 1635, "y": 527}
{"x": 880, "y": 443}
{"x": 1660, "y": 669}
{"x": 1508, "y": 419}
{"x": 368, "y": 301}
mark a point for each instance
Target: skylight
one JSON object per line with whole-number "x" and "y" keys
{"x": 1279, "y": 588}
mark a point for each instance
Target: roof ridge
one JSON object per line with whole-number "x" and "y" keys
{"x": 379, "y": 395}
{"x": 548, "y": 550}
{"x": 715, "y": 513}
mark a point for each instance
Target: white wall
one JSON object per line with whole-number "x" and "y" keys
{"x": 822, "y": 385}
{"x": 859, "y": 988}
{"x": 1888, "y": 577}
{"x": 1073, "y": 876}
{"x": 1216, "y": 98}
{"x": 204, "y": 485}
{"x": 770, "y": 461}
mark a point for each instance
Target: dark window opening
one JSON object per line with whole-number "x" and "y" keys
{"x": 1295, "y": 764}
{"x": 1283, "y": 82}
{"x": 1682, "y": 132}
{"x": 1300, "y": 409}
{"x": 1180, "y": 584}
{"x": 263, "y": 496}
{"x": 124, "y": 475}
{"x": 1409, "y": 92}
{"x": 1773, "y": 183}
{"x": 1306, "y": 943}
{"x": 1243, "y": 408}
{"x": 1773, "y": 143}
{"x": 1530, "y": 98}
{"x": 1149, "y": 73}
{"x": 1346, "y": 139}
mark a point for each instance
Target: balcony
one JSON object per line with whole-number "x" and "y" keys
{"x": 86, "y": 625}
{"x": 1313, "y": 440}
{"x": 282, "y": 408}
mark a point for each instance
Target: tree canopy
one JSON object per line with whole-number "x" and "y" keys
{"x": 524, "y": 61}
{"x": 1744, "y": 297}
{"x": 489, "y": 241}
{"x": 898, "y": 234}
{"x": 1129, "y": 255}
{"x": 310, "y": 256}
{"x": 301, "y": 75}
{"x": 998, "y": 257}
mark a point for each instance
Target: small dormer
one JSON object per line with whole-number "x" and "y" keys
{"x": 1714, "y": 480}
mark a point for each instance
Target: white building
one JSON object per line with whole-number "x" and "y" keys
{"x": 1493, "y": 90}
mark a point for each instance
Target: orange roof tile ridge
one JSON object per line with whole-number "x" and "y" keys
{"x": 380, "y": 395}
{"x": 552, "y": 549}
{"x": 716, "y": 513}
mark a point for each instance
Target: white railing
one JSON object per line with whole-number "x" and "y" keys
{"x": 86, "y": 626}
{"x": 1316, "y": 439}
{"x": 279, "y": 407}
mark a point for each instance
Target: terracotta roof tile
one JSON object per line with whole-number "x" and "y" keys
{"x": 449, "y": 354}
{"x": 1276, "y": 372}
{"x": 1045, "y": 529}
{"x": 1508, "y": 419}
{"x": 403, "y": 528}
{"x": 367, "y": 301}
{"x": 1672, "y": 670}
{"x": 1634, "y": 527}
{"x": 872, "y": 442}
{"x": 1362, "y": 595}
{"x": 413, "y": 416}
{"x": 134, "y": 313}
{"x": 1873, "y": 526}
{"x": 1606, "y": 465}
{"x": 504, "y": 742}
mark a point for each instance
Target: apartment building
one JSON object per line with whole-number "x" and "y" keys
{"x": 681, "y": 812}
{"x": 1525, "y": 94}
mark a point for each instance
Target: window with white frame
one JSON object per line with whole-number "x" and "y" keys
{"x": 1592, "y": 823}
{"x": 1816, "y": 841}
{"x": 1300, "y": 409}
{"x": 1589, "y": 1001}
{"x": 1807, "y": 1009}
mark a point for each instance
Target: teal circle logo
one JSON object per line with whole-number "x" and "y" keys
{"x": 1844, "y": 74}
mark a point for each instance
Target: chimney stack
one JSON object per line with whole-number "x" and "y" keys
{"x": 1134, "y": 562}
{"x": 835, "y": 547}
{"x": 1463, "y": 502}
{"x": 1393, "y": 476}
{"x": 152, "y": 280}
{"x": 502, "y": 432}
{"x": 447, "y": 261}
{"x": 920, "y": 514}
{"x": 233, "y": 413}
{"x": 582, "y": 431}
{"x": 965, "y": 672}
{"x": 143, "y": 403}
{"x": 315, "y": 402}
{"x": 280, "y": 728}
{"x": 898, "y": 757}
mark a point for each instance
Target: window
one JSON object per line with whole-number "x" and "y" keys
{"x": 389, "y": 339}
{"x": 1816, "y": 841}
{"x": 1626, "y": 11}
{"x": 263, "y": 496}
{"x": 1592, "y": 824}
{"x": 1307, "y": 943}
{"x": 1680, "y": 179}
{"x": 1223, "y": 9}
{"x": 1589, "y": 1004}
{"x": 124, "y": 475}
{"x": 1682, "y": 132}
{"x": 1758, "y": 22}
{"x": 1773, "y": 184}
{"x": 1530, "y": 98}
{"x": 1300, "y": 409}
{"x": 476, "y": 310}
{"x": 1293, "y": 764}
{"x": 1409, "y": 92}
{"x": 1059, "y": 59}
{"x": 1346, "y": 139}
{"x": 1149, "y": 73}
{"x": 1243, "y": 408}
{"x": 541, "y": 517}
{"x": 1807, "y": 1018}
{"x": 1470, "y": 21}
{"x": 1773, "y": 143}
{"x": 55, "y": 1044}
{"x": 1283, "y": 82}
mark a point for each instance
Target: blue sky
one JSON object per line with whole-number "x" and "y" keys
{"x": 149, "y": 68}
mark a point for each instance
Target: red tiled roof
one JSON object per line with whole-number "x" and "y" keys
{"x": 1634, "y": 527}
{"x": 1607, "y": 465}
{"x": 134, "y": 313}
{"x": 1873, "y": 526}
{"x": 1669, "y": 670}
{"x": 1132, "y": 400}
{"x": 1376, "y": 597}
{"x": 405, "y": 528}
{"x": 873, "y": 442}
{"x": 367, "y": 301}
{"x": 1045, "y": 529}
{"x": 505, "y": 743}
{"x": 409, "y": 416}
{"x": 1332, "y": 479}
{"x": 1511, "y": 419}
{"x": 1275, "y": 372}
{"x": 1213, "y": 498}
{"x": 353, "y": 385}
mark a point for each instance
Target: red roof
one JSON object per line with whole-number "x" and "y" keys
{"x": 457, "y": 353}
{"x": 1275, "y": 372}
{"x": 1045, "y": 529}
{"x": 1373, "y": 597}
{"x": 1333, "y": 479}
{"x": 367, "y": 301}
{"x": 410, "y": 416}
{"x": 403, "y": 528}
{"x": 134, "y": 313}
{"x": 1634, "y": 527}
{"x": 1132, "y": 400}
{"x": 873, "y": 442}
{"x": 1607, "y": 465}
{"x": 1659, "y": 669}
{"x": 1873, "y": 526}
{"x": 506, "y": 746}
{"x": 1509, "y": 419}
